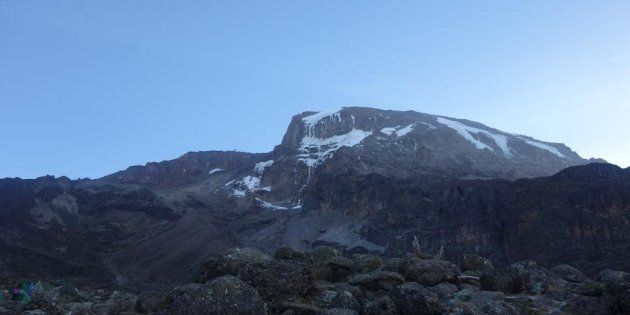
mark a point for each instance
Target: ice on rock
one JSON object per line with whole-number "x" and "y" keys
{"x": 315, "y": 150}
{"x": 312, "y": 120}
{"x": 216, "y": 170}
{"x": 544, "y": 146}
{"x": 399, "y": 131}
{"x": 468, "y": 133}
{"x": 259, "y": 168}
{"x": 269, "y": 205}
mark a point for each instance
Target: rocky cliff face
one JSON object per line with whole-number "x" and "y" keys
{"x": 361, "y": 179}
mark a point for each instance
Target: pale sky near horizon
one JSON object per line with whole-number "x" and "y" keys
{"x": 91, "y": 87}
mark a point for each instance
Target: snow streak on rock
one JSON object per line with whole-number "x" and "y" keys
{"x": 544, "y": 146}
{"x": 260, "y": 167}
{"x": 313, "y": 150}
{"x": 470, "y": 133}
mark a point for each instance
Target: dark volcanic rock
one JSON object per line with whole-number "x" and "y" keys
{"x": 568, "y": 273}
{"x": 279, "y": 280}
{"x": 224, "y": 295}
{"x": 431, "y": 272}
{"x": 476, "y": 263}
{"x": 232, "y": 262}
{"x": 377, "y": 280}
{"x": 412, "y": 298}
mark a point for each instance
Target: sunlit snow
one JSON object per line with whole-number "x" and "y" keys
{"x": 544, "y": 146}
{"x": 260, "y": 167}
{"x": 314, "y": 150}
{"x": 469, "y": 133}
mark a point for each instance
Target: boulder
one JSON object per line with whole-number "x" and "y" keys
{"x": 288, "y": 253}
{"x": 279, "y": 280}
{"x": 223, "y": 295}
{"x": 412, "y": 298}
{"x": 444, "y": 291}
{"x": 501, "y": 280}
{"x": 376, "y": 280}
{"x": 150, "y": 301}
{"x": 339, "y": 268}
{"x": 587, "y": 288}
{"x": 532, "y": 304}
{"x": 610, "y": 277}
{"x": 231, "y": 263}
{"x": 583, "y": 305}
{"x": 395, "y": 264}
{"x": 336, "y": 298}
{"x": 80, "y": 308}
{"x": 340, "y": 311}
{"x": 520, "y": 277}
{"x": 568, "y": 273}
{"x": 381, "y": 305}
{"x": 323, "y": 253}
{"x": 117, "y": 303}
{"x": 476, "y": 263}
{"x": 366, "y": 262}
{"x": 533, "y": 278}
{"x": 431, "y": 272}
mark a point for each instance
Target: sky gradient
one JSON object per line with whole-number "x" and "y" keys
{"x": 91, "y": 87}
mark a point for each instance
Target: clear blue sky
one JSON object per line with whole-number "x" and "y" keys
{"x": 91, "y": 87}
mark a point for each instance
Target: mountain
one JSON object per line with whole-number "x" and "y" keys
{"x": 361, "y": 179}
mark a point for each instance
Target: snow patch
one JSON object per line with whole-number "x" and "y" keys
{"x": 246, "y": 184}
{"x": 250, "y": 182}
{"x": 430, "y": 126}
{"x": 312, "y": 120}
{"x": 398, "y": 130}
{"x": 259, "y": 168}
{"x": 469, "y": 133}
{"x": 403, "y": 131}
{"x": 238, "y": 193}
{"x": 544, "y": 146}
{"x": 269, "y": 205}
{"x": 314, "y": 151}
{"x": 389, "y": 130}
{"x": 216, "y": 170}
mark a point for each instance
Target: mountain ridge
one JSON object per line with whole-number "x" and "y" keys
{"x": 342, "y": 178}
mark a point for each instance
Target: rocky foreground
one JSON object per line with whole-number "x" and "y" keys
{"x": 324, "y": 281}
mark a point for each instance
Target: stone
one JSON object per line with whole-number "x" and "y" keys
{"x": 583, "y": 305}
{"x": 472, "y": 262}
{"x": 395, "y": 264}
{"x": 382, "y": 305}
{"x": 412, "y": 298}
{"x": 223, "y": 295}
{"x": 288, "y": 253}
{"x": 366, "y": 262}
{"x": 279, "y": 280}
{"x": 149, "y": 301}
{"x": 568, "y": 273}
{"x": 231, "y": 263}
{"x": 376, "y": 280}
{"x": 321, "y": 254}
{"x": 431, "y": 272}
{"x": 339, "y": 268}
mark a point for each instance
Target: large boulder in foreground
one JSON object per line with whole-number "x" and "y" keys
{"x": 279, "y": 280}
{"x": 413, "y": 298}
{"x": 223, "y": 295}
{"x": 430, "y": 272}
{"x": 231, "y": 263}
